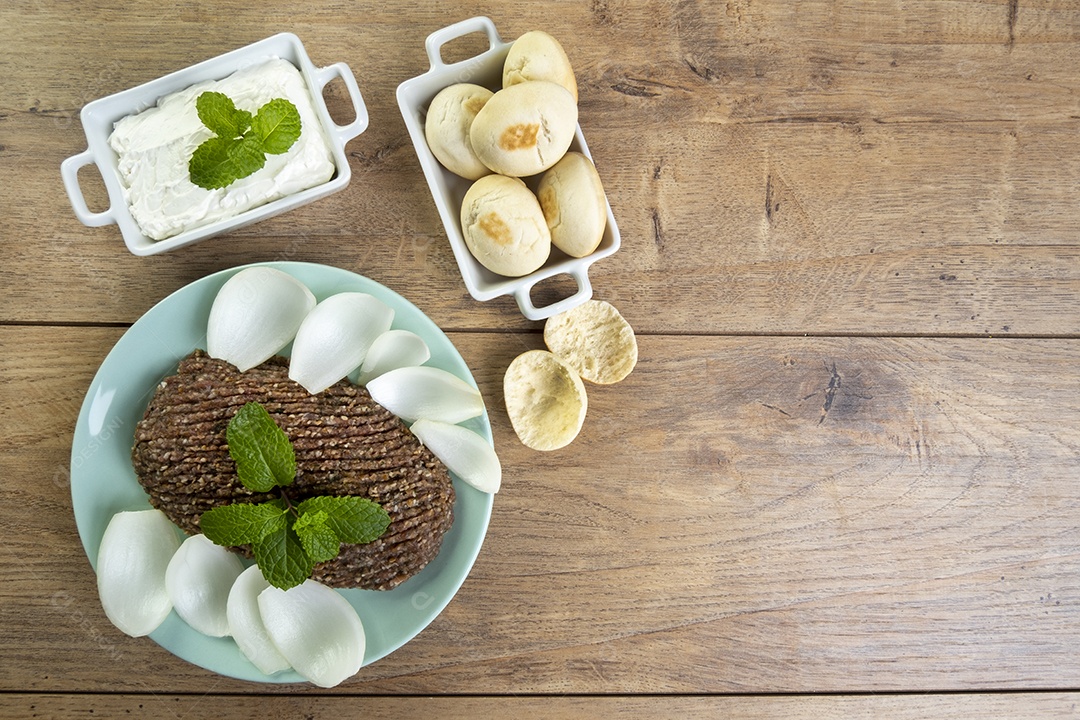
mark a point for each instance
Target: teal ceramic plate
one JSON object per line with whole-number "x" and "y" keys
{"x": 103, "y": 481}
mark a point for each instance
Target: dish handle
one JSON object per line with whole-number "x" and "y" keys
{"x": 322, "y": 76}
{"x": 437, "y": 39}
{"x": 69, "y": 171}
{"x": 531, "y": 312}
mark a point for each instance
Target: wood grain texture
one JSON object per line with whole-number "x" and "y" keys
{"x": 846, "y": 464}
{"x": 815, "y": 515}
{"x": 1051, "y": 705}
{"x": 810, "y": 167}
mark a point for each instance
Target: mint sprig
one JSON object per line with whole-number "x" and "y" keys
{"x": 241, "y": 140}
{"x": 287, "y": 539}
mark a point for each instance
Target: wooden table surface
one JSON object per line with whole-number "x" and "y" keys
{"x": 843, "y": 479}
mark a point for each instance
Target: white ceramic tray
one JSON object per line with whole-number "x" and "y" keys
{"x": 99, "y": 116}
{"x": 414, "y": 96}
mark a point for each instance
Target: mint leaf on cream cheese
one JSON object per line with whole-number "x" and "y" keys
{"x": 219, "y": 114}
{"x": 219, "y": 162}
{"x": 277, "y": 125}
{"x": 241, "y": 141}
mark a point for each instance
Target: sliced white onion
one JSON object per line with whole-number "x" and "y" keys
{"x": 334, "y": 338}
{"x": 392, "y": 350}
{"x": 255, "y": 314}
{"x": 426, "y": 392}
{"x": 198, "y": 581}
{"x": 246, "y": 625}
{"x": 316, "y": 629}
{"x": 131, "y": 563}
{"x": 465, "y": 453}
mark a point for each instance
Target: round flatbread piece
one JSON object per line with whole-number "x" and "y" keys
{"x": 594, "y": 339}
{"x": 545, "y": 400}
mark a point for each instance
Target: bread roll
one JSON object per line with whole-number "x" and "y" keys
{"x": 446, "y": 127}
{"x": 538, "y": 56}
{"x": 504, "y": 226}
{"x": 545, "y": 400}
{"x": 595, "y": 340}
{"x": 575, "y": 207}
{"x": 524, "y": 129}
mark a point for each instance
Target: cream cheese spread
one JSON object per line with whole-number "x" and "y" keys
{"x": 154, "y": 147}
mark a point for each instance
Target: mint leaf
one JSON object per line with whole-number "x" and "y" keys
{"x": 277, "y": 123}
{"x": 282, "y": 558}
{"x": 262, "y": 451}
{"x": 243, "y": 121}
{"x": 241, "y": 141}
{"x": 217, "y": 112}
{"x": 210, "y": 166}
{"x": 219, "y": 161}
{"x": 246, "y": 155}
{"x": 319, "y": 541}
{"x": 353, "y": 519}
{"x": 242, "y": 523}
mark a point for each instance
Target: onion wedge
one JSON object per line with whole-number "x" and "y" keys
{"x": 392, "y": 350}
{"x": 246, "y": 625}
{"x": 255, "y": 314}
{"x": 198, "y": 581}
{"x": 334, "y": 338}
{"x": 412, "y": 393}
{"x": 464, "y": 453}
{"x": 316, "y": 630}
{"x": 131, "y": 563}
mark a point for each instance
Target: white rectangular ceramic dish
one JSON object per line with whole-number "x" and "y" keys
{"x": 448, "y": 189}
{"x": 99, "y": 116}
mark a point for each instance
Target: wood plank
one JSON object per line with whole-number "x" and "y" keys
{"x": 740, "y": 515}
{"x": 814, "y": 53}
{"x": 831, "y": 255}
{"x": 228, "y": 707}
{"x": 890, "y": 163}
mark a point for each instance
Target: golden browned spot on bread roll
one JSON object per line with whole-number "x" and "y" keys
{"x": 594, "y": 339}
{"x": 575, "y": 208}
{"x": 504, "y": 227}
{"x": 545, "y": 400}
{"x": 516, "y": 137}
{"x": 524, "y": 129}
{"x": 446, "y": 128}
{"x": 538, "y": 56}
